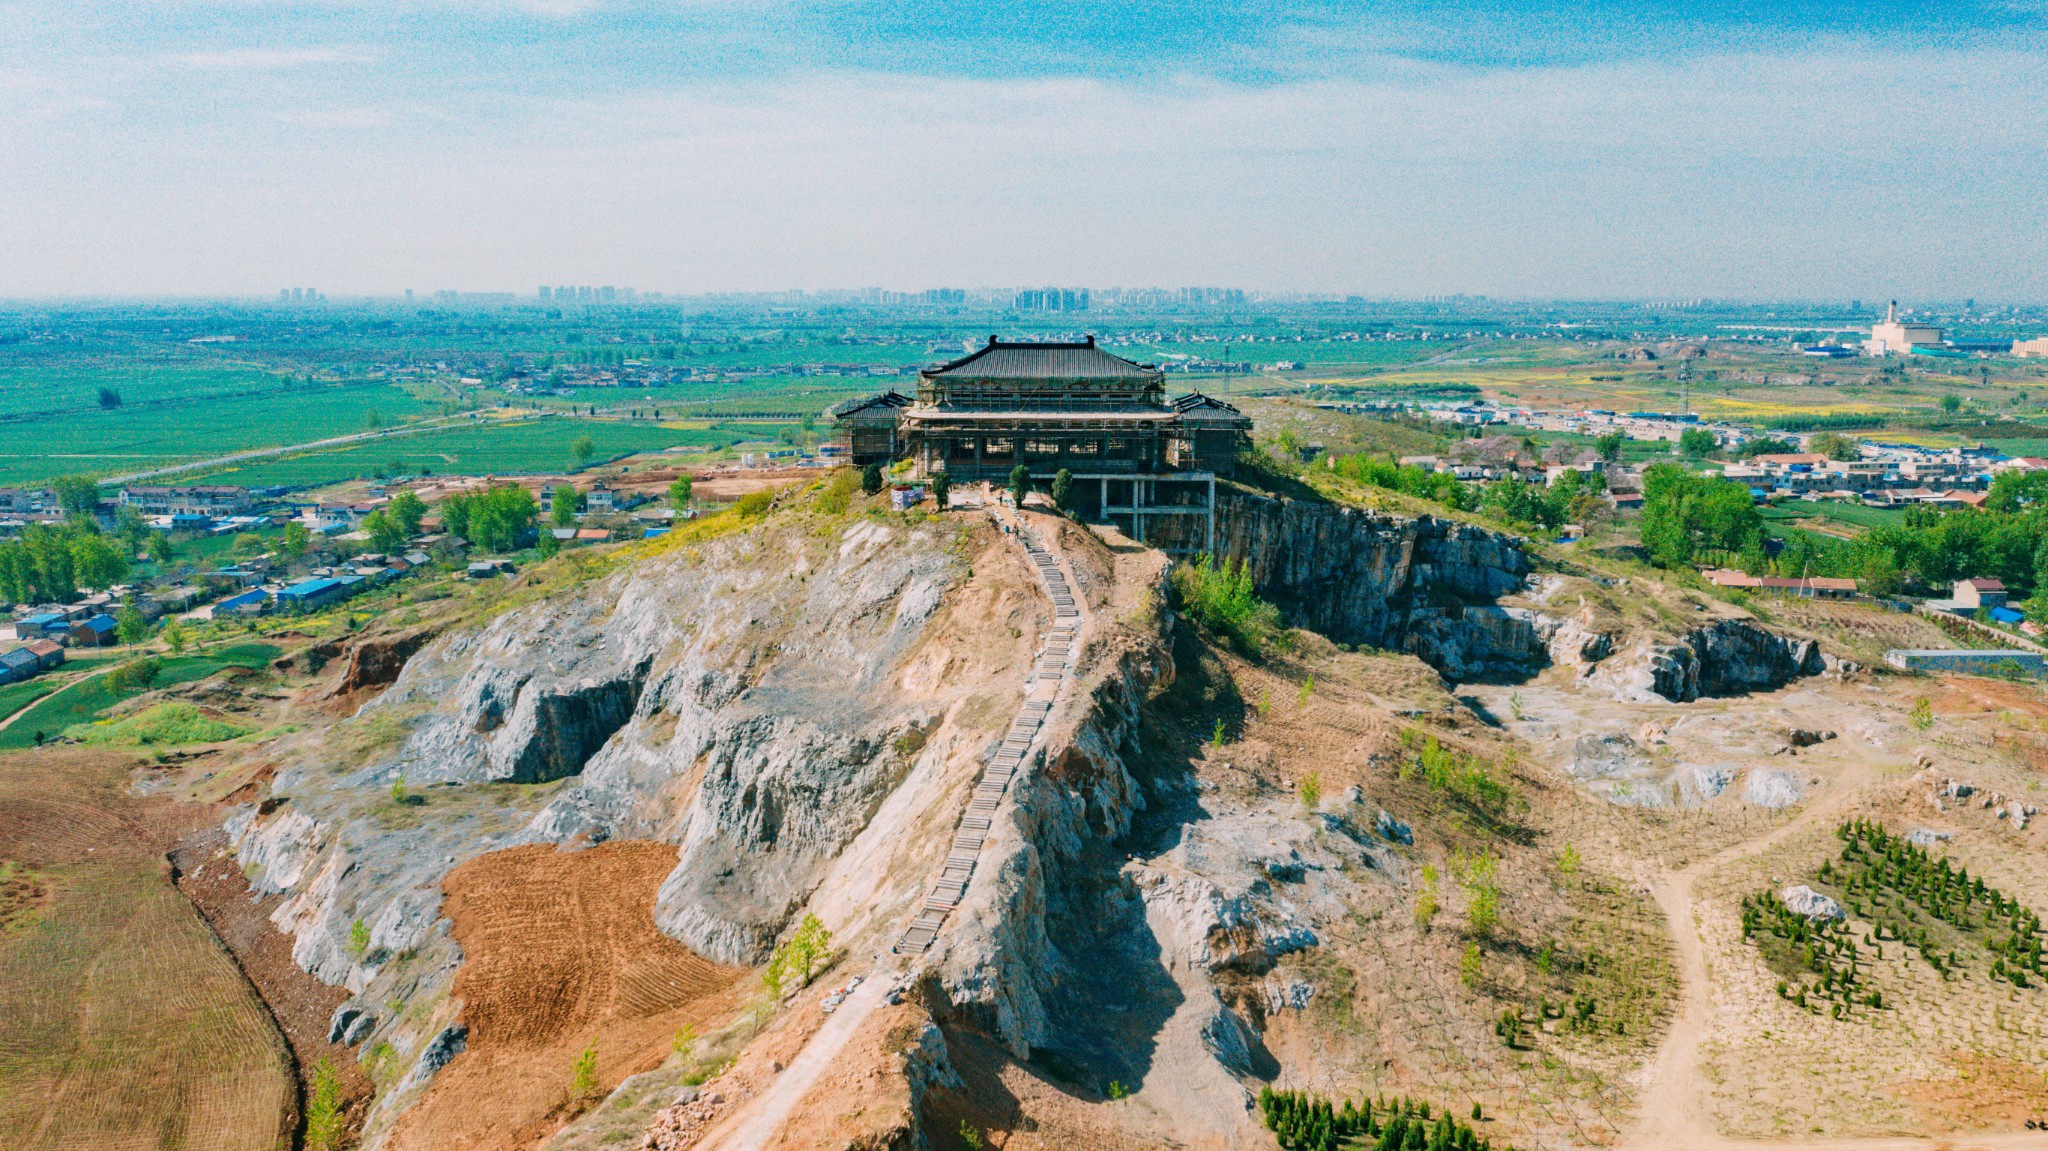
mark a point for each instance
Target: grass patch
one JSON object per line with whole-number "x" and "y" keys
{"x": 89, "y": 699}
{"x": 16, "y": 696}
{"x": 165, "y": 725}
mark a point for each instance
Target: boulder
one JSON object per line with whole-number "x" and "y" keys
{"x": 1803, "y": 900}
{"x": 446, "y": 1044}
{"x": 1770, "y": 788}
{"x": 344, "y": 1016}
{"x": 1393, "y": 830}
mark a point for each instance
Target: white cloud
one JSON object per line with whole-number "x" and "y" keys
{"x": 266, "y": 59}
{"x": 1832, "y": 172}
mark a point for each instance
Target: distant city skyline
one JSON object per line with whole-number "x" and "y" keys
{"x": 1762, "y": 151}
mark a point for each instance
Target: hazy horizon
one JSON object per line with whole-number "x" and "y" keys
{"x": 1773, "y": 152}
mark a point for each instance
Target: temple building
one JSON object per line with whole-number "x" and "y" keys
{"x": 1132, "y": 452}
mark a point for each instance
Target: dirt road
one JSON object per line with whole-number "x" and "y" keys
{"x": 1670, "y": 1118}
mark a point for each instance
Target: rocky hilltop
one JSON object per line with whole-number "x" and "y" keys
{"x": 798, "y": 709}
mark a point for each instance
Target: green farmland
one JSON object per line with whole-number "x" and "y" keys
{"x": 189, "y": 422}
{"x": 502, "y": 448}
{"x": 1830, "y": 516}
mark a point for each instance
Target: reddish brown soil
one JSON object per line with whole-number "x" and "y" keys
{"x": 560, "y": 950}
{"x": 301, "y": 1005}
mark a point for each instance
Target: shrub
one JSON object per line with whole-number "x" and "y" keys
{"x": 583, "y": 1072}
{"x": 1922, "y": 715}
{"x": 358, "y": 938}
{"x": 754, "y": 505}
{"x": 1222, "y": 600}
{"x": 324, "y": 1125}
{"x": 871, "y": 479}
{"x": 942, "y": 490}
{"x": 1311, "y": 791}
{"x": 1465, "y": 777}
{"x": 800, "y": 958}
{"x": 135, "y": 675}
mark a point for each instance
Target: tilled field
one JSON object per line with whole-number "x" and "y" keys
{"x": 123, "y": 1023}
{"x": 560, "y": 953}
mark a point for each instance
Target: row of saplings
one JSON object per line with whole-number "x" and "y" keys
{"x": 1901, "y": 880}
{"x": 1893, "y": 882}
{"x": 1821, "y": 946}
{"x": 1304, "y": 1121}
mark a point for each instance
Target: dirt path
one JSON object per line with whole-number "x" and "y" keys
{"x": 1670, "y": 1118}
{"x": 817, "y": 1057}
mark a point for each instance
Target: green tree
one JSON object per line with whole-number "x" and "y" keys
{"x": 583, "y": 1073}
{"x": 1835, "y": 446}
{"x": 158, "y": 546}
{"x": 1020, "y": 485}
{"x": 297, "y": 538}
{"x": 1696, "y": 443}
{"x": 1684, "y": 511}
{"x": 871, "y": 479}
{"x": 385, "y": 532}
{"x": 129, "y": 626}
{"x": 1062, "y": 488}
{"x": 325, "y": 1123}
{"x": 495, "y": 520}
{"x": 680, "y": 491}
{"x": 409, "y": 510}
{"x": 942, "y": 490}
{"x": 77, "y": 495}
{"x": 133, "y": 528}
{"x": 582, "y": 450}
{"x": 372, "y": 421}
{"x": 96, "y": 561}
{"x": 1609, "y": 445}
{"x": 562, "y": 511}
{"x": 1951, "y": 403}
{"x": 174, "y": 636}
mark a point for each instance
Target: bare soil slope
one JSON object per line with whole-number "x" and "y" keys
{"x": 123, "y": 1023}
{"x": 560, "y": 952}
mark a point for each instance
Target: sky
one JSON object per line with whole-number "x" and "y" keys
{"x": 1655, "y": 149}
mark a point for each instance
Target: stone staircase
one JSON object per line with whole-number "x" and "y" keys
{"x": 1049, "y": 675}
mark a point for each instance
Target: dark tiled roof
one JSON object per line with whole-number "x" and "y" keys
{"x": 1043, "y": 361}
{"x": 888, "y": 399}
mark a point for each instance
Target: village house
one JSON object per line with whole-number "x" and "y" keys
{"x": 211, "y": 500}
{"x": 1976, "y": 594}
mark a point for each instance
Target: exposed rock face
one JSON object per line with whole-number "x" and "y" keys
{"x": 1424, "y": 585}
{"x": 376, "y": 660}
{"x": 1725, "y": 657}
{"x": 752, "y": 700}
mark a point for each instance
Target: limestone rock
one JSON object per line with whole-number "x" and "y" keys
{"x": 1393, "y": 830}
{"x": 1803, "y": 900}
{"x": 446, "y": 1044}
{"x": 1767, "y": 787}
